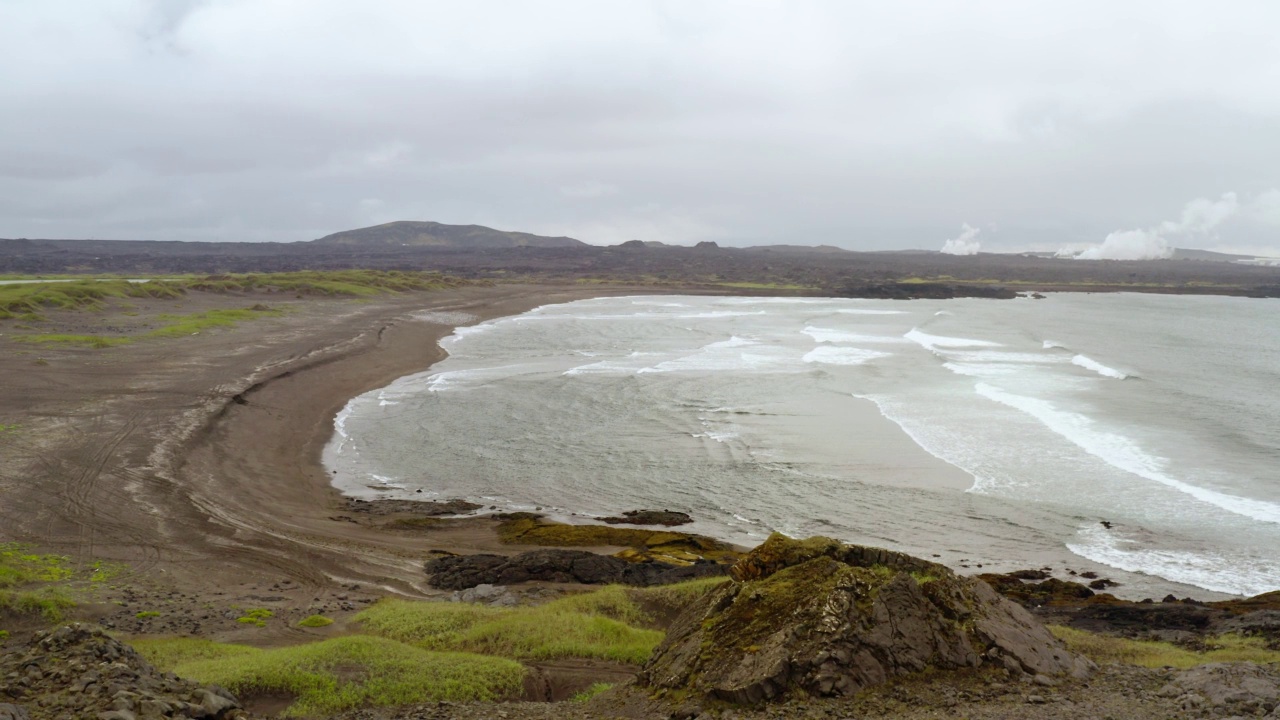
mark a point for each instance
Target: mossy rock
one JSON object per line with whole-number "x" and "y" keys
{"x": 644, "y": 545}
{"x": 818, "y": 617}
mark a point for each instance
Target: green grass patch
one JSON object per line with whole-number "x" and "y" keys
{"x": 315, "y": 621}
{"x": 49, "y": 602}
{"x": 168, "y": 653}
{"x": 178, "y": 325}
{"x": 29, "y": 299}
{"x": 1106, "y": 649}
{"x": 147, "y": 614}
{"x": 19, "y": 566}
{"x": 257, "y": 616}
{"x": 591, "y": 692}
{"x": 590, "y": 625}
{"x": 93, "y": 341}
{"x": 345, "y": 673}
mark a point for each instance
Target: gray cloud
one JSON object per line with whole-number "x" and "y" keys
{"x": 866, "y": 125}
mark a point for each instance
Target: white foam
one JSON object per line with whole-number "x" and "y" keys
{"x": 1122, "y": 453}
{"x": 836, "y": 336}
{"x": 1209, "y": 570}
{"x": 861, "y": 311}
{"x": 931, "y": 342}
{"x": 1091, "y": 364}
{"x": 994, "y": 369}
{"x": 1051, "y": 344}
{"x": 999, "y": 356}
{"x": 442, "y": 317}
{"x": 833, "y": 355}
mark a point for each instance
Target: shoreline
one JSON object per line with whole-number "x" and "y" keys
{"x": 201, "y": 468}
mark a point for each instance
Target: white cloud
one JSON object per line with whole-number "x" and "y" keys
{"x": 815, "y": 121}
{"x": 589, "y": 189}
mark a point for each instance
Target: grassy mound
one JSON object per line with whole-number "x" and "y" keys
{"x": 30, "y": 582}
{"x": 28, "y": 300}
{"x": 340, "y": 674}
{"x": 1106, "y": 649}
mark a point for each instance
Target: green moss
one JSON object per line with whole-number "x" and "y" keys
{"x": 257, "y": 616}
{"x": 647, "y": 545}
{"x": 147, "y": 614}
{"x": 314, "y": 621}
{"x": 359, "y": 671}
{"x": 760, "y": 607}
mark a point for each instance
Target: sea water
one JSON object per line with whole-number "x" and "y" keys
{"x": 1136, "y": 435}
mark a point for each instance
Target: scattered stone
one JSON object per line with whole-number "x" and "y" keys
{"x": 1242, "y": 688}
{"x": 412, "y": 507}
{"x": 77, "y": 671}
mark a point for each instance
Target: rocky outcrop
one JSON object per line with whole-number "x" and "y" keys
{"x": 459, "y": 572}
{"x": 821, "y": 618}
{"x": 79, "y": 672}
{"x": 669, "y": 518}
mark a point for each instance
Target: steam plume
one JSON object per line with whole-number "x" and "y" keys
{"x": 1199, "y": 216}
{"x": 965, "y": 243}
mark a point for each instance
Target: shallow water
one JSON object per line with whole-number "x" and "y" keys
{"x": 1157, "y": 414}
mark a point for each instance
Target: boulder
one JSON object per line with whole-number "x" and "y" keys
{"x": 459, "y": 572}
{"x": 820, "y": 618}
{"x": 668, "y": 518}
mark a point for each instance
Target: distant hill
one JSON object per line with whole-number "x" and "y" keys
{"x": 409, "y": 233}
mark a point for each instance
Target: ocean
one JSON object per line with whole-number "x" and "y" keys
{"x": 1134, "y": 435}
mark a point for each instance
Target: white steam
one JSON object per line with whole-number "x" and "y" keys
{"x": 965, "y": 243}
{"x": 1198, "y": 217}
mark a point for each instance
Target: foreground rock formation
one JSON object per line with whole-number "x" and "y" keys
{"x": 820, "y": 618}
{"x": 459, "y": 572}
{"x": 78, "y": 672}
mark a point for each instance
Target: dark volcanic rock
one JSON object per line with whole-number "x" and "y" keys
{"x": 821, "y": 618}
{"x": 668, "y": 518}
{"x": 459, "y": 572}
{"x": 423, "y": 508}
{"x": 79, "y": 672}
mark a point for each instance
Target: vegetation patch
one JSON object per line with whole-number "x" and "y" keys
{"x": 19, "y": 566}
{"x": 600, "y": 624}
{"x": 257, "y": 616}
{"x": 147, "y": 614}
{"x": 93, "y": 341}
{"x": 591, "y": 692}
{"x": 343, "y": 673}
{"x": 168, "y": 653}
{"x": 1107, "y": 649}
{"x": 29, "y": 299}
{"x": 177, "y": 325}
{"x": 315, "y": 621}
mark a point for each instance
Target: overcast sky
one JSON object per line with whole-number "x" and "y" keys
{"x": 869, "y": 125}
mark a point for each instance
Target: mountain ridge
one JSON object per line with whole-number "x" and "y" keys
{"x": 421, "y": 233}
